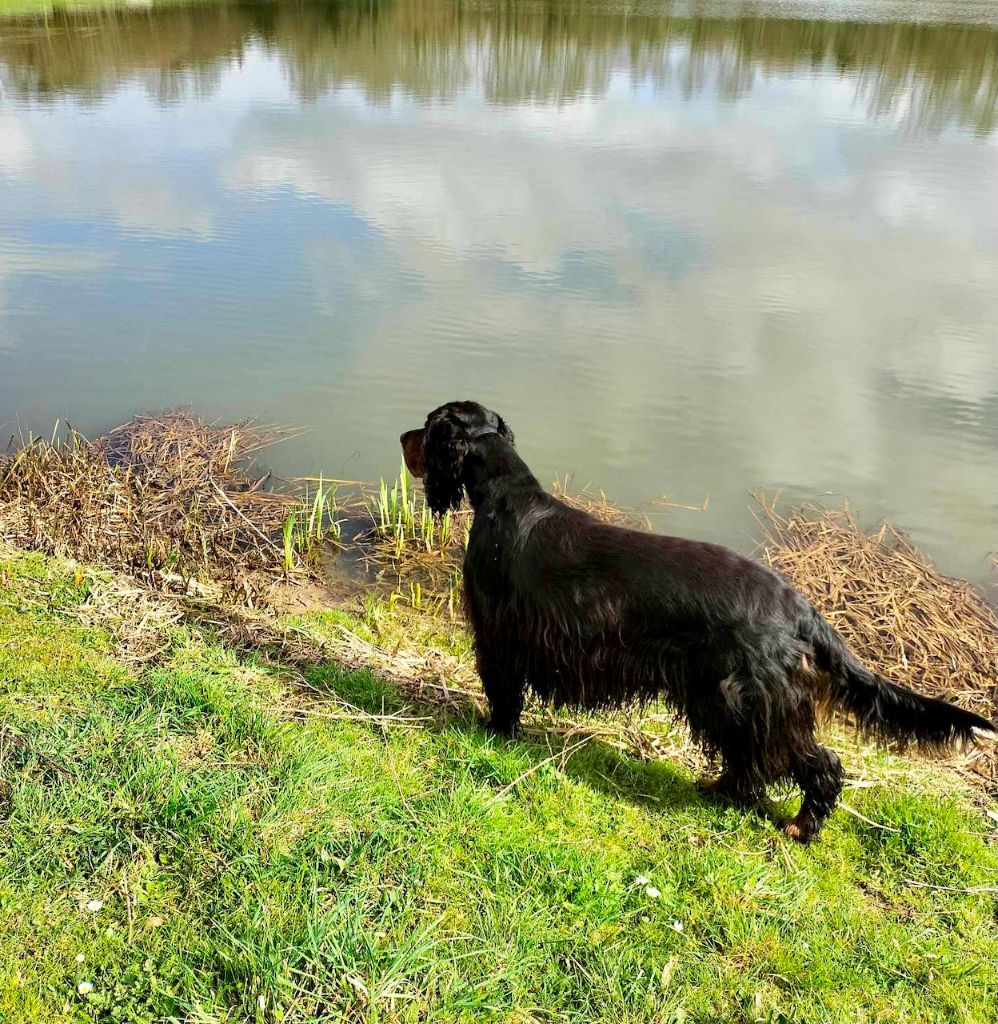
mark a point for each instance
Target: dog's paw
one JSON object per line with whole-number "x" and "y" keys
{"x": 800, "y": 831}
{"x": 501, "y": 728}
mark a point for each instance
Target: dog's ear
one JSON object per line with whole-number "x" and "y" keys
{"x": 445, "y": 446}
{"x": 504, "y": 431}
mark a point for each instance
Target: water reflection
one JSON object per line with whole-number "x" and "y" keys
{"x": 681, "y": 254}
{"x": 930, "y": 75}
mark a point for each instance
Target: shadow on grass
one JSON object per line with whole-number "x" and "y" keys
{"x": 599, "y": 765}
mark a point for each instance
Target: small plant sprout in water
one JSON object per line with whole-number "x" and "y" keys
{"x": 418, "y": 553}
{"x": 454, "y": 593}
{"x": 307, "y": 526}
{"x": 405, "y": 520}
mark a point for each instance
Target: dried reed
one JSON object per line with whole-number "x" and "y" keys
{"x": 171, "y": 499}
{"x": 893, "y": 607}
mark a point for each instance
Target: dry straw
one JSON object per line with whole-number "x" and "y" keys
{"x": 893, "y": 607}
{"x": 171, "y": 499}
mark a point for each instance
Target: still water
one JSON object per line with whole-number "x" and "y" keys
{"x": 685, "y": 249}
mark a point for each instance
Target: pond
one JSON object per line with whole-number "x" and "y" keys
{"x": 685, "y": 249}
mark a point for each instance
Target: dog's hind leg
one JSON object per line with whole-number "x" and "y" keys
{"x": 818, "y": 772}
{"x": 730, "y": 726}
{"x": 730, "y": 786}
{"x": 504, "y": 684}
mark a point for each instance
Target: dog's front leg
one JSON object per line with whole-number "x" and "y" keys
{"x": 503, "y": 682}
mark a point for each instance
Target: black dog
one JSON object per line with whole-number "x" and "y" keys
{"x": 595, "y": 616}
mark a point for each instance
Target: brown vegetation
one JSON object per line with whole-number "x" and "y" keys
{"x": 170, "y": 499}
{"x": 893, "y": 607}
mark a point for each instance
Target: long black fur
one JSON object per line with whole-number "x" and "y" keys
{"x": 595, "y": 616}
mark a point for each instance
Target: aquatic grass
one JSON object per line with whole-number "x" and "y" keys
{"x": 310, "y": 524}
{"x": 290, "y": 542}
{"x": 404, "y": 520}
{"x": 413, "y": 552}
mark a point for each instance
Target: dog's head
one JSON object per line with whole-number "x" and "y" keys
{"x": 436, "y": 451}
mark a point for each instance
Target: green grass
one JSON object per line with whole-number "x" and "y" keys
{"x": 182, "y": 842}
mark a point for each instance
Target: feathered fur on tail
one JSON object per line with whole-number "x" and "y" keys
{"x": 886, "y": 711}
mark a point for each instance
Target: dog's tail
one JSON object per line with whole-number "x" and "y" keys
{"x": 888, "y": 712}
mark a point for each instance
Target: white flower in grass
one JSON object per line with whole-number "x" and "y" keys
{"x": 84, "y": 988}
{"x": 80, "y": 958}
{"x": 677, "y": 926}
{"x": 642, "y": 880}
{"x": 652, "y": 893}
{"x": 94, "y": 905}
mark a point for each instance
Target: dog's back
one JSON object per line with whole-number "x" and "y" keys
{"x": 594, "y": 616}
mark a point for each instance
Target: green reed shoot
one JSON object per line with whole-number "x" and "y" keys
{"x": 289, "y": 534}
{"x": 404, "y": 519}
{"x": 308, "y": 525}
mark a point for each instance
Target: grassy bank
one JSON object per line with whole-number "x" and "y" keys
{"x": 213, "y": 837}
